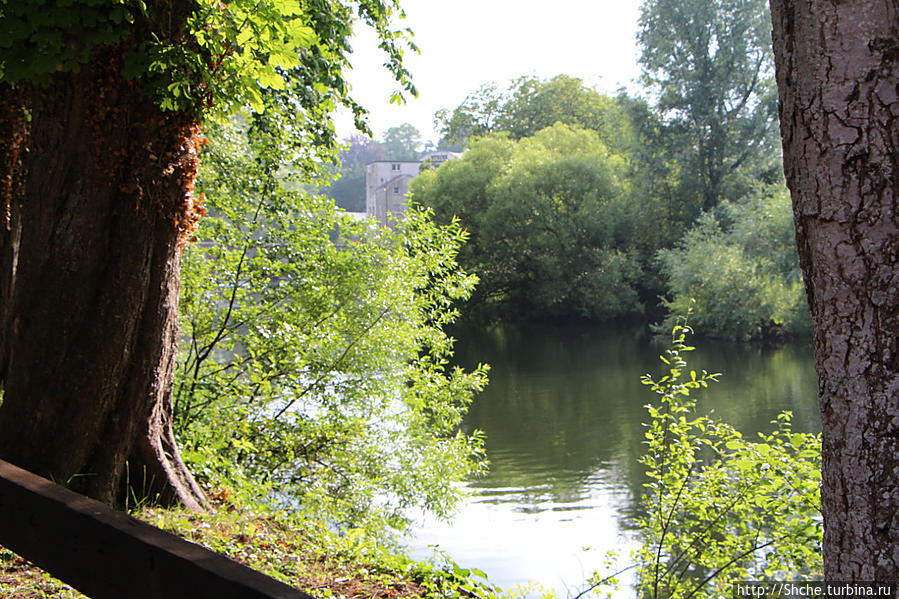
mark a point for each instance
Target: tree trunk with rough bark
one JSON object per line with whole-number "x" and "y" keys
{"x": 838, "y": 80}
{"x": 95, "y": 198}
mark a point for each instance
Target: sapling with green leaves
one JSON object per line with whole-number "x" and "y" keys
{"x": 314, "y": 362}
{"x": 718, "y": 507}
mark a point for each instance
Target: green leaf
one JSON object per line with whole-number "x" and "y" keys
{"x": 270, "y": 79}
{"x": 301, "y": 36}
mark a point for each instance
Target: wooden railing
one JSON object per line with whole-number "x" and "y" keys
{"x": 107, "y": 554}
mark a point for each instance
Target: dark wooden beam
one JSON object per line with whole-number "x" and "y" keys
{"x": 108, "y": 554}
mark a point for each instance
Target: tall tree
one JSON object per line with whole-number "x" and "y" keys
{"x": 474, "y": 117}
{"x": 401, "y": 142}
{"x": 710, "y": 63}
{"x": 534, "y": 105}
{"x": 100, "y": 110}
{"x": 838, "y": 77}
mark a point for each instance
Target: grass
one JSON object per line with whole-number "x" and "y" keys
{"x": 20, "y": 579}
{"x": 300, "y": 552}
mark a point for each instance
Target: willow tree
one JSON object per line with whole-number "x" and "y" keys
{"x": 101, "y": 107}
{"x": 838, "y": 79}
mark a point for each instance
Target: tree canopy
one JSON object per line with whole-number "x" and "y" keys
{"x": 402, "y": 142}
{"x": 739, "y": 272}
{"x": 698, "y": 156}
{"x": 547, "y": 216}
{"x": 711, "y": 65}
{"x": 530, "y": 105}
{"x": 211, "y": 58}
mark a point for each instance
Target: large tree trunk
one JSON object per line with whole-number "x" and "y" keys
{"x": 93, "y": 212}
{"x": 838, "y": 78}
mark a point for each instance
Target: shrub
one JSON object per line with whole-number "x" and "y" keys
{"x": 739, "y": 272}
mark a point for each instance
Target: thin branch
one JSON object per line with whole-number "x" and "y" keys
{"x": 334, "y": 365}
{"x": 730, "y": 563}
{"x": 707, "y": 529}
{"x": 603, "y": 581}
{"x": 665, "y": 528}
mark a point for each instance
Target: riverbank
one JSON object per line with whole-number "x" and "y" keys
{"x": 298, "y": 551}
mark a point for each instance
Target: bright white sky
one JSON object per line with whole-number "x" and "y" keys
{"x": 466, "y": 43}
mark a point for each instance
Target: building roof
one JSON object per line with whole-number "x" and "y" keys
{"x": 394, "y": 180}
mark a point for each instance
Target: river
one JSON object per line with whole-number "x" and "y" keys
{"x": 562, "y": 416}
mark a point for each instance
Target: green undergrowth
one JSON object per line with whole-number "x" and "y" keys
{"x": 297, "y": 550}
{"x": 21, "y": 579}
{"x": 306, "y": 553}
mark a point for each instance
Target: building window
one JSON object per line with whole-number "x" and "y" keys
{"x": 396, "y": 190}
{"x": 394, "y": 167}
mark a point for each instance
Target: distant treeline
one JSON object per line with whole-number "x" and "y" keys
{"x": 585, "y": 206}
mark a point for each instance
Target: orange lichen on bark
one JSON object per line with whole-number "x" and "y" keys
{"x": 156, "y": 163}
{"x": 14, "y": 137}
{"x": 191, "y": 208}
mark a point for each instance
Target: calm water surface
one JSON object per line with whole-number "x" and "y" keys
{"x": 563, "y": 415}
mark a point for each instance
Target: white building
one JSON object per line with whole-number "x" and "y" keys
{"x": 386, "y": 186}
{"x": 387, "y": 183}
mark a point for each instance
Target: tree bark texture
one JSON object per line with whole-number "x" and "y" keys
{"x": 96, "y": 195}
{"x": 838, "y": 80}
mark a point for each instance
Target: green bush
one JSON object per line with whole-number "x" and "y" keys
{"x": 719, "y": 508}
{"x": 314, "y": 365}
{"x": 548, "y": 219}
{"x": 738, "y": 270}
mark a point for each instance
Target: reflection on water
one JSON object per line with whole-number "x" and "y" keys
{"x": 563, "y": 415}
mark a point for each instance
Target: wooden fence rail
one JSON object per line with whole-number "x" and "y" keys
{"x": 107, "y": 554}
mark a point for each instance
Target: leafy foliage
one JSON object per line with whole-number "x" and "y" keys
{"x": 711, "y": 65}
{"x": 313, "y": 360}
{"x": 705, "y": 140}
{"x": 709, "y": 138}
{"x": 530, "y": 105}
{"x": 402, "y": 142}
{"x": 740, "y": 271}
{"x": 211, "y": 56}
{"x": 667, "y": 188}
{"x": 721, "y": 508}
{"x": 40, "y": 38}
{"x": 548, "y": 220}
